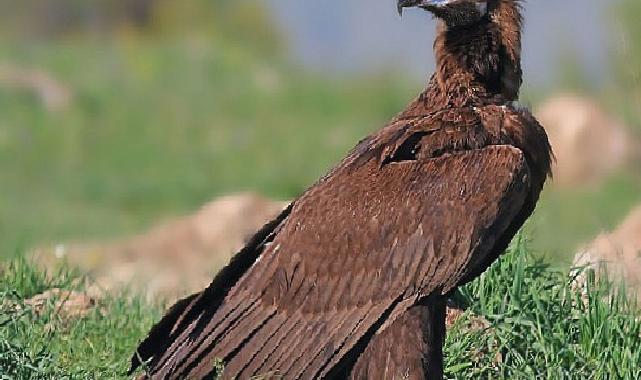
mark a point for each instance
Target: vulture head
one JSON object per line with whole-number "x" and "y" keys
{"x": 460, "y": 46}
{"x": 453, "y": 12}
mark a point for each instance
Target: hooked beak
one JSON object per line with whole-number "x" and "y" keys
{"x": 402, "y": 4}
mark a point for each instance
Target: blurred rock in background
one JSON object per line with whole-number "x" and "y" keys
{"x": 176, "y": 257}
{"x": 617, "y": 252}
{"x": 588, "y": 143}
{"x": 52, "y": 93}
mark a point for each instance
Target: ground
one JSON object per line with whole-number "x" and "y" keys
{"x": 524, "y": 320}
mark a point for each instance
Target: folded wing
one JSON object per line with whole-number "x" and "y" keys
{"x": 355, "y": 251}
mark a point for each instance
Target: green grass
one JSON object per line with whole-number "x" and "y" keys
{"x": 48, "y": 345}
{"x": 539, "y": 327}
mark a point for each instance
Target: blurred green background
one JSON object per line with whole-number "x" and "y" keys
{"x": 117, "y": 113}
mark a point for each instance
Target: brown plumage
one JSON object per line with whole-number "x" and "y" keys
{"x": 351, "y": 280}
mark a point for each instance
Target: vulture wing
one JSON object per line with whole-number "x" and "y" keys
{"x": 400, "y": 219}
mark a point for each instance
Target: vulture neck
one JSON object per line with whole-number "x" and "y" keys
{"x": 478, "y": 63}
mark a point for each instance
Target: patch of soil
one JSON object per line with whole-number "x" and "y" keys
{"x": 473, "y": 324}
{"x": 67, "y": 303}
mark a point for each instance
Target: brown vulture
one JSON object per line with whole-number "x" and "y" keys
{"x": 351, "y": 280}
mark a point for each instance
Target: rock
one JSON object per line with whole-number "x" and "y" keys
{"x": 617, "y": 252}
{"x": 588, "y": 143}
{"x": 176, "y": 257}
{"x": 221, "y": 227}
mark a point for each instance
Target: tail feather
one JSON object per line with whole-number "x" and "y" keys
{"x": 201, "y": 306}
{"x": 159, "y": 334}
